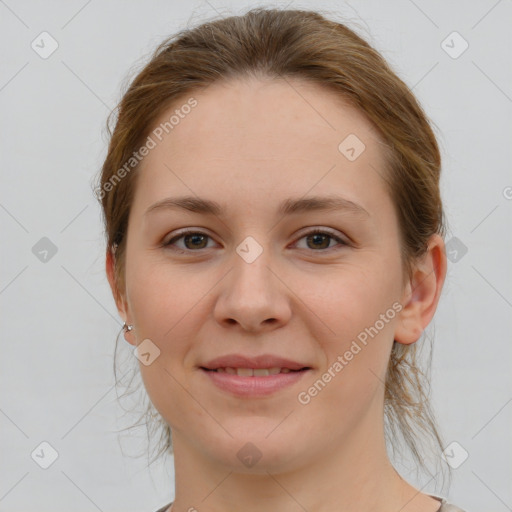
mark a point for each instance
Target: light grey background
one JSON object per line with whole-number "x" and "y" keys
{"x": 59, "y": 321}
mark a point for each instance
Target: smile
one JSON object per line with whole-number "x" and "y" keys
{"x": 250, "y": 372}
{"x": 253, "y": 382}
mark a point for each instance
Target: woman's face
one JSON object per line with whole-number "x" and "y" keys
{"x": 255, "y": 281}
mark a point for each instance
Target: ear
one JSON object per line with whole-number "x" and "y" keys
{"x": 422, "y": 293}
{"x": 118, "y": 297}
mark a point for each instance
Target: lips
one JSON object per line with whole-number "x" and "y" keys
{"x": 253, "y": 372}
{"x": 242, "y": 365}
{"x": 253, "y": 377}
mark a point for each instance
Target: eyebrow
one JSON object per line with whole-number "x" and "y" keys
{"x": 287, "y": 207}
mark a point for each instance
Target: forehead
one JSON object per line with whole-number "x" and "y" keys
{"x": 272, "y": 112}
{"x": 266, "y": 139}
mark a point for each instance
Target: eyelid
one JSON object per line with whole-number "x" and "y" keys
{"x": 333, "y": 234}
{"x": 311, "y": 230}
{"x": 324, "y": 230}
{"x": 183, "y": 232}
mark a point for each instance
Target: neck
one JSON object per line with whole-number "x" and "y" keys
{"x": 353, "y": 474}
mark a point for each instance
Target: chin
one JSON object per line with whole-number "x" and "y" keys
{"x": 254, "y": 451}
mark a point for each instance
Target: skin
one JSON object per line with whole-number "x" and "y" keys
{"x": 250, "y": 144}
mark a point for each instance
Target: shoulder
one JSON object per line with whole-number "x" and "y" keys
{"x": 449, "y": 507}
{"x": 445, "y": 506}
{"x": 166, "y": 508}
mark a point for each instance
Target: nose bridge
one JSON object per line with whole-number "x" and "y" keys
{"x": 251, "y": 271}
{"x": 252, "y": 294}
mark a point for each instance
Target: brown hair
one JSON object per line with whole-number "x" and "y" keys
{"x": 301, "y": 44}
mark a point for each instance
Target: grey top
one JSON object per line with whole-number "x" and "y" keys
{"x": 445, "y": 506}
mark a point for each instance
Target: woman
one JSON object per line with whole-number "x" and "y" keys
{"x": 275, "y": 247}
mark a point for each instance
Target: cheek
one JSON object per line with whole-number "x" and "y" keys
{"x": 160, "y": 297}
{"x": 164, "y": 302}
{"x": 357, "y": 326}
{"x": 356, "y": 354}
{"x": 169, "y": 393}
{"x": 348, "y": 300}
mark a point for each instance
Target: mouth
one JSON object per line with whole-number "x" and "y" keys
{"x": 252, "y": 383}
{"x": 254, "y": 372}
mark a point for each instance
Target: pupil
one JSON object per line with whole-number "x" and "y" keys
{"x": 194, "y": 237}
{"x": 319, "y": 235}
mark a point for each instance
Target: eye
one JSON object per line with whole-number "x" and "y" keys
{"x": 321, "y": 239}
{"x": 317, "y": 239}
{"x": 192, "y": 240}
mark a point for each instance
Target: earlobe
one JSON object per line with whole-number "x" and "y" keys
{"x": 422, "y": 293}
{"x": 118, "y": 296}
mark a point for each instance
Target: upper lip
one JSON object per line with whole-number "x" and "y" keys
{"x": 262, "y": 361}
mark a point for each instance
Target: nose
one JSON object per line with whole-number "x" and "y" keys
{"x": 253, "y": 296}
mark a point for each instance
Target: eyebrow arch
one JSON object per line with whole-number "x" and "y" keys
{"x": 287, "y": 207}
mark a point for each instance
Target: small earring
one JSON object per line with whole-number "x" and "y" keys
{"x": 127, "y": 328}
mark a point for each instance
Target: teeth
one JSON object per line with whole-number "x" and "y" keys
{"x": 260, "y": 372}
{"x": 253, "y": 372}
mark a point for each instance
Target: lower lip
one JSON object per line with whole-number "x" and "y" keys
{"x": 254, "y": 386}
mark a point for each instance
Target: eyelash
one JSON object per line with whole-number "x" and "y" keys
{"x": 194, "y": 232}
